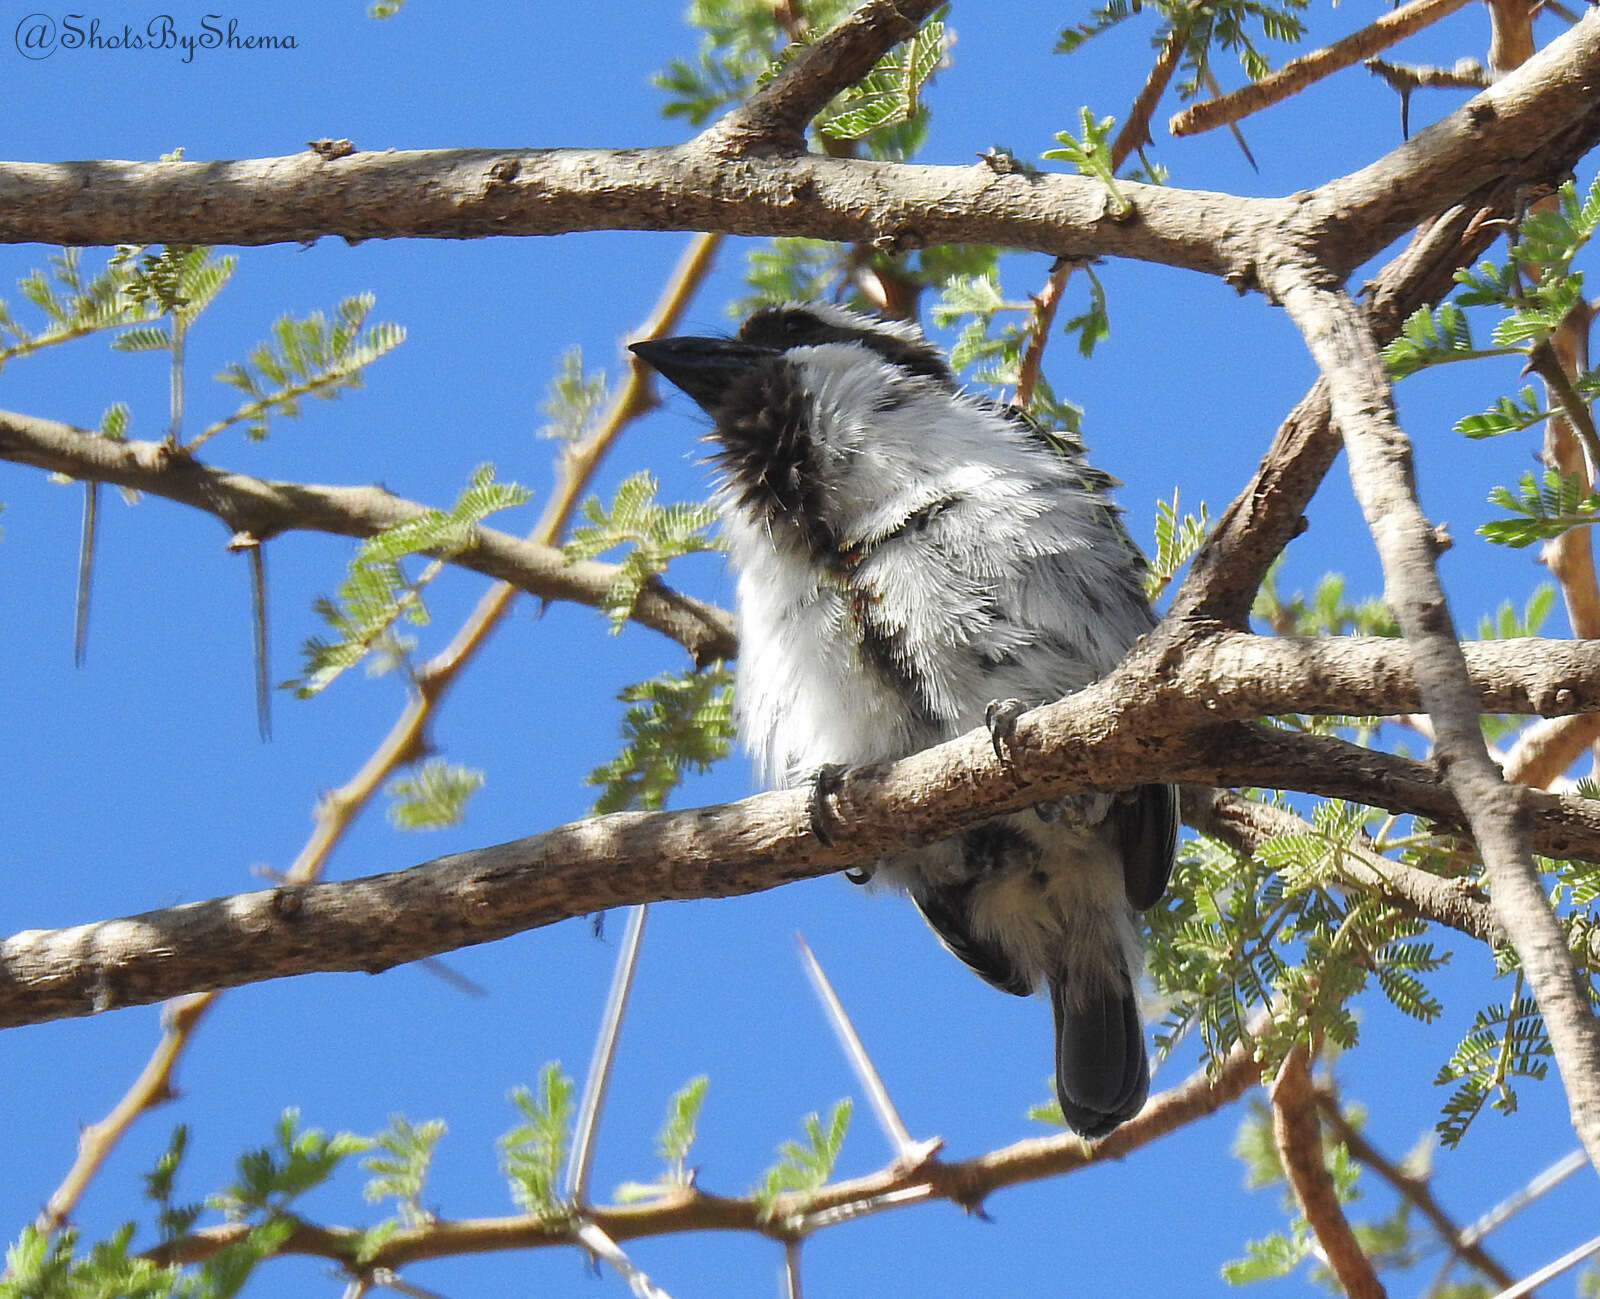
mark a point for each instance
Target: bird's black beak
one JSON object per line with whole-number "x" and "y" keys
{"x": 703, "y": 367}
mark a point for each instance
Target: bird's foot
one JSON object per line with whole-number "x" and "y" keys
{"x": 1001, "y": 719}
{"x": 826, "y": 781}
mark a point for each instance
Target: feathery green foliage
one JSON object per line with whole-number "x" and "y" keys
{"x": 1327, "y": 611}
{"x": 573, "y": 399}
{"x": 160, "y": 1185}
{"x": 890, "y": 93}
{"x": 802, "y": 1170}
{"x": 1091, "y": 155}
{"x": 1506, "y": 1041}
{"x": 399, "y": 1161}
{"x": 1543, "y": 507}
{"x": 310, "y": 357}
{"x": 1234, "y": 25}
{"x": 996, "y": 349}
{"x": 433, "y": 796}
{"x": 655, "y": 535}
{"x": 72, "y": 305}
{"x": 271, "y": 1178}
{"x": 376, "y": 594}
{"x": 532, "y": 1153}
{"x": 1177, "y": 539}
{"x": 1508, "y": 624}
{"x": 673, "y": 1144}
{"x": 678, "y": 721}
{"x": 1277, "y": 931}
{"x": 738, "y": 42}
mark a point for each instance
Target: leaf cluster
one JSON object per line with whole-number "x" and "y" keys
{"x": 376, "y": 594}
{"x": 533, "y": 1152}
{"x": 1234, "y": 25}
{"x": 805, "y": 1167}
{"x": 676, "y": 722}
{"x": 673, "y": 1144}
{"x": 654, "y": 534}
{"x": 312, "y": 357}
{"x": 1277, "y": 932}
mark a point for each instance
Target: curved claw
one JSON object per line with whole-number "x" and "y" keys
{"x": 826, "y": 782}
{"x": 1001, "y": 719}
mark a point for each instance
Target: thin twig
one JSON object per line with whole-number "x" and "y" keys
{"x": 1538, "y": 1185}
{"x": 602, "y": 1246}
{"x": 967, "y": 1183}
{"x": 1551, "y": 1270}
{"x": 1413, "y": 1188}
{"x": 86, "y": 547}
{"x": 1299, "y": 73}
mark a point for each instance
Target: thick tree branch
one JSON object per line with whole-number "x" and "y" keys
{"x": 1381, "y": 469}
{"x": 1155, "y": 717}
{"x": 1488, "y": 141}
{"x": 1529, "y": 127}
{"x": 264, "y": 508}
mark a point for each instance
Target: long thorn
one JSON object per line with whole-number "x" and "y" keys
{"x": 866, "y": 1072}
{"x": 605, "y": 1054}
{"x": 80, "y": 619}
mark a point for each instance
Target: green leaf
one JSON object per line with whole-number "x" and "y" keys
{"x": 1091, "y": 155}
{"x": 678, "y": 722}
{"x": 1543, "y": 507}
{"x": 309, "y": 357}
{"x": 1177, "y": 539}
{"x": 656, "y": 535}
{"x": 673, "y": 1144}
{"x": 1507, "y": 625}
{"x": 889, "y": 94}
{"x": 803, "y": 1169}
{"x": 532, "y": 1153}
{"x": 1504, "y": 1042}
{"x": 399, "y": 1161}
{"x": 375, "y": 594}
{"x": 1507, "y": 415}
{"x": 1093, "y": 325}
{"x": 433, "y": 796}
{"x": 1431, "y": 338}
{"x": 271, "y": 1177}
{"x": 573, "y": 399}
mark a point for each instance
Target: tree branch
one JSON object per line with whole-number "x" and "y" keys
{"x": 1301, "y": 72}
{"x": 1532, "y": 125}
{"x": 264, "y": 508}
{"x": 776, "y": 115}
{"x": 965, "y": 1182}
{"x": 1155, "y": 717}
{"x": 1381, "y": 470}
{"x": 1414, "y": 1188}
{"x": 1299, "y": 1138}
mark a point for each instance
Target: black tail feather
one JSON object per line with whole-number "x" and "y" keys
{"x": 1102, "y": 1073}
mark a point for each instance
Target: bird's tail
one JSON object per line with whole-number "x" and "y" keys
{"x": 1102, "y": 1073}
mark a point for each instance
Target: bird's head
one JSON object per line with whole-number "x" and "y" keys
{"x": 812, "y": 413}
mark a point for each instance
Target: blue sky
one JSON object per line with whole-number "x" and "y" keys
{"x": 138, "y": 781}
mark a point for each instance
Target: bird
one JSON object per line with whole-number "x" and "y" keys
{"x": 915, "y": 560}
